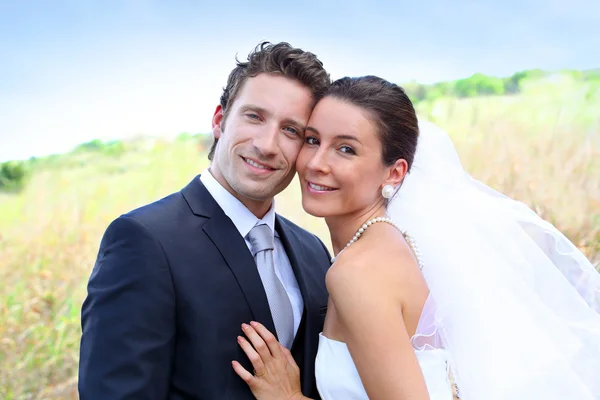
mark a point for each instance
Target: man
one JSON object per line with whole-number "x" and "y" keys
{"x": 175, "y": 279}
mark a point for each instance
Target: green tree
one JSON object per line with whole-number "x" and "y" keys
{"x": 110, "y": 148}
{"x": 13, "y": 175}
{"x": 513, "y": 83}
{"x": 478, "y": 85}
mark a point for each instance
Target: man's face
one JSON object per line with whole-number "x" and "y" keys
{"x": 260, "y": 138}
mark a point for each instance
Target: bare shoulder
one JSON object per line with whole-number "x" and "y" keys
{"x": 379, "y": 263}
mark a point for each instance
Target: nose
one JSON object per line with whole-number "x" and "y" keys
{"x": 267, "y": 141}
{"x": 319, "y": 162}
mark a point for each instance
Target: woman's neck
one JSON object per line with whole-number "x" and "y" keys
{"x": 343, "y": 227}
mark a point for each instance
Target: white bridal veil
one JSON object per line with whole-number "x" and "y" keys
{"x": 512, "y": 300}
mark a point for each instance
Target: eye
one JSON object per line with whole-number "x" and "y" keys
{"x": 311, "y": 140}
{"x": 291, "y": 130}
{"x": 347, "y": 150}
{"x": 253, "y": 116}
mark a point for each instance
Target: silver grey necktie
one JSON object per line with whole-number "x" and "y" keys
{"x": 261, "y": 240}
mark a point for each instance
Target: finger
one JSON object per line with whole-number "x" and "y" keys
{"x": 242, "y": 372}
{"x": 258, "y": 343}
{"x": 253, "y": 356}
{"x": 288, "y": 355}
{"x": 269, "y": 338}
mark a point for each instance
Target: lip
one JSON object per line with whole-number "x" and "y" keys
{"x": 257, "y": 170}
{"x": 313, "y": 190}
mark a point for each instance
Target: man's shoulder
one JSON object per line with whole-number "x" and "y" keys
{"x": 303, "y": 234}
{"x": 169, "y": 210}
{"x": 159, "y": 210}
{"x": 164, "y": 216}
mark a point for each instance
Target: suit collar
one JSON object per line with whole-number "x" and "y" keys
{"x": 199, "y": 200}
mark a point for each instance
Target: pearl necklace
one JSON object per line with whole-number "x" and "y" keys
{"x": 362, "y": 229}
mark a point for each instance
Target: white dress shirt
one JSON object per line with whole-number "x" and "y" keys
{"x": 244, "y": 221}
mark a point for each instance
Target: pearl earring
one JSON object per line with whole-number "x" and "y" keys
{"x": 387, "y": 191}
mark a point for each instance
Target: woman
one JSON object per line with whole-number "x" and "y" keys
{"x": 500, "y": 296}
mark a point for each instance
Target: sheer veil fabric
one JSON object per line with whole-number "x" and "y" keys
{"x": 513, "y": 302}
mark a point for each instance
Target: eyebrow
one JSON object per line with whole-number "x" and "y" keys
{"x": 263, "y": 110}
{"x": 337, "y": 137}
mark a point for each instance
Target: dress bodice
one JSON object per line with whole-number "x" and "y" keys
{"x": 338, "y": 379}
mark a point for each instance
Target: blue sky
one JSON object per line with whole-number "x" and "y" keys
{"x": 71, "y": 71}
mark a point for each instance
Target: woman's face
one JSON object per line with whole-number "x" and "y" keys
{"x": 340, "y": 165}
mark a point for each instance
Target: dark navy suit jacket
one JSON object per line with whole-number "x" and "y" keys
{"x": 172, "y": 284}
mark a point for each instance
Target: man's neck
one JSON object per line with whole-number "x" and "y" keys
{"x": 257, "y": 207}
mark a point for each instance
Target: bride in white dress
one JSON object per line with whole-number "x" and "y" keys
{"x": 486, "y": 289}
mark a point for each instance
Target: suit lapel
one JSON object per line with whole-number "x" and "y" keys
{"x": 305, "y": 341}
{"x": 302, "y": 264}
{"x": 294, "y": 250}
{"x": 223, "y": 233}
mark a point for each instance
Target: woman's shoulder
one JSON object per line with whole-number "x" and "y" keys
{"x": 377, "y": 259}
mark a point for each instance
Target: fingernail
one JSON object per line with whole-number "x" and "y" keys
{"x": 239, "y": 339}
{"x": 253, "y": 323}
{"x": 245, "y": 326}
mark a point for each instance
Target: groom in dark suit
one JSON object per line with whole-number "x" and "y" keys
{"x": 175, "y": 279}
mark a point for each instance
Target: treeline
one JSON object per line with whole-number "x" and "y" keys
{"x": 110, "y": 148}
{"x": 484, "y": 85}
{"x": 13, "y": 176}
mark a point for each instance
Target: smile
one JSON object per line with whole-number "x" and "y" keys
{"x": 313, "y": 187}
{"x": 257, "y": 165}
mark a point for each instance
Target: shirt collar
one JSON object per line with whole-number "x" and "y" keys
{"x": 242, "y": 218}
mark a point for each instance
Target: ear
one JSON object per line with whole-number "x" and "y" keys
{"x": 217, "y": 122}
{"x": 396, "y": 173}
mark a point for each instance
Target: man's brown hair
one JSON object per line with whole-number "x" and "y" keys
{"x": 279, "y": 59}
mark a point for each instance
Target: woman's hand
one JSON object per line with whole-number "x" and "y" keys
{"x": 276, "y": 374}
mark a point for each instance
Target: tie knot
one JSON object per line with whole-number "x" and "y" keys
{"x": 261, "y": 238}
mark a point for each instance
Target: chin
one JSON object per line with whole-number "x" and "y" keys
{"x": 251, "y": 190}
{"x": 318, "y": 209}
{"x": 258, "y": 193}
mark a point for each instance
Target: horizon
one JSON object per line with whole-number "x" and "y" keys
{"x": 174, "y": 135}
{"x": 75, "y": 72}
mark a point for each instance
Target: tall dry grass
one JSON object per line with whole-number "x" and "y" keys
{"x": 539, "y": 149}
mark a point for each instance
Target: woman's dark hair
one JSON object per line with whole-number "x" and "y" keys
{"x": 389, "y": 108}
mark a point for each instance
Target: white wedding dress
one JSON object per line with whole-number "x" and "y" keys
{"x": 338, "y": 379}
{"x": 518, "y": 304}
